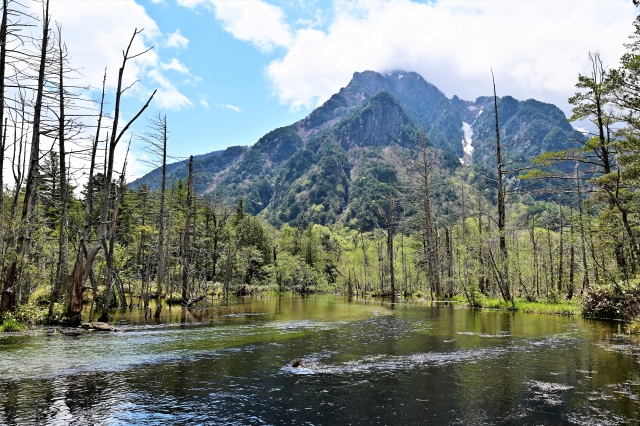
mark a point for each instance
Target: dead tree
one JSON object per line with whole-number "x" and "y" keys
{"x": 561, "y": 253}
{"x": 156, "y": 140}
{"x": 389, "y": 212}
{"x": 82, "y": 254}
{"x": 186, "y": 249}
{"x": 34, "y": 158}
{"x": 3, "y": 120}
{"x": 424, "y": 168}
{"x": 63, "y": 239}
{"x": 116, "y": 135}
{"x": 503, "y": 273}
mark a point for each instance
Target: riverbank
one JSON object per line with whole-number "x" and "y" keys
{"x": 30, "y": 317}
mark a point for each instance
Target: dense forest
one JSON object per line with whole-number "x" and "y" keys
{"x": 538, "y": 213}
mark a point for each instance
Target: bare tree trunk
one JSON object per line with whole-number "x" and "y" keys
{"x": 63, "y": 239}
{"x": 163, "y": 192}
{"x": 18, "y": 165}
{"x": 34, "y": 159}
{"x": 88, "y": 214}
{"x": 449, "y": 244}
{"x": 186, "y": 287}
{"x": 561, "y": 253}
{"x": 550, "y": 248}
{"x": 572, "y": 259}
{"x": 365, "y": 265}
{"x": 482, "y": 278}
{"x": 3, "y": 145}
{"x": 108, "y": 243}
{"x": 433, "y": 260}
{"x": 3, "y": 120}
{"x": 536, "y": 260}
{"x": 392, "y": 275}
{"x": 404, "y": 266}
{"x": 583, "y": 238}
{"x": 504, "y": 272}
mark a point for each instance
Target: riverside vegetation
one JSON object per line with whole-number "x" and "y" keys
{"x": 373, "y": 194}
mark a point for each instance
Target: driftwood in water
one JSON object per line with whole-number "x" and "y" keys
{"x": 191, "y": 302}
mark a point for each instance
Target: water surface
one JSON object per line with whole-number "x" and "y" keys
{"x": 364, "y": 363}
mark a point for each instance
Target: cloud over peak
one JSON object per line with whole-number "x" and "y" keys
{"x": 535, "y": 48}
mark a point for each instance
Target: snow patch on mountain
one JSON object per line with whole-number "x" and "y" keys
{"x": 467, "y": 144}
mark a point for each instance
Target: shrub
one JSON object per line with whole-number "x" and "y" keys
{"x": 473, "y": 295}
{"x": 605, "y": 302}
{"x": 10, "y": 325}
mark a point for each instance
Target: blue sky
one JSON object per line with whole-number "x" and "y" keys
{"x": 233, "y": 102}
{"x": 229, "y": 71}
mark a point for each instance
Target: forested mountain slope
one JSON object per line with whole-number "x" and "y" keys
{"x": 354, "y": 148}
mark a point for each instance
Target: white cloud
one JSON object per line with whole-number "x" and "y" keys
{"x": 535, "y": 48}
{"x": 191, "y": 3}
{"x": 257, "y": 21}
{"x": 192, "y": 81}
{"x": 204, "y": 103}
{"x": 168, "y": 96}
{"x": 175, "y": 65}
{"x": 177, "y": 40}
{"x": 96, "y": 33}
{"x": 229, "y": 106}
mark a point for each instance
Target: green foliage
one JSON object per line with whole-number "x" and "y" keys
{"x": 550, "y": 307}
{"x": 11, "y": 325}
{"x": 29, "y": 314}
{"x": 327, "y": 111}
{"x": 207, "y": 166}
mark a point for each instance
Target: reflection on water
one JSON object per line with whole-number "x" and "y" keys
{"x": 364, "y": 363}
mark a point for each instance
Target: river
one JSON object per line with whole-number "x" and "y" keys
{"x": 365, "y": 362}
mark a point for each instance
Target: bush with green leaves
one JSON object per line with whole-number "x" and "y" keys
{"x": 11, "y": 325}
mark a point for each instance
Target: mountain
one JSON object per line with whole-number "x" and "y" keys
{"x": 353, "y": 149}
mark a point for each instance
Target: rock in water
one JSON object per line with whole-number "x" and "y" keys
{"x": 296, "y": 363}
{"x": 98, "y": 326}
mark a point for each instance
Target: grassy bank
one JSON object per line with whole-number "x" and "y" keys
{"x": 562, "y": 307}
